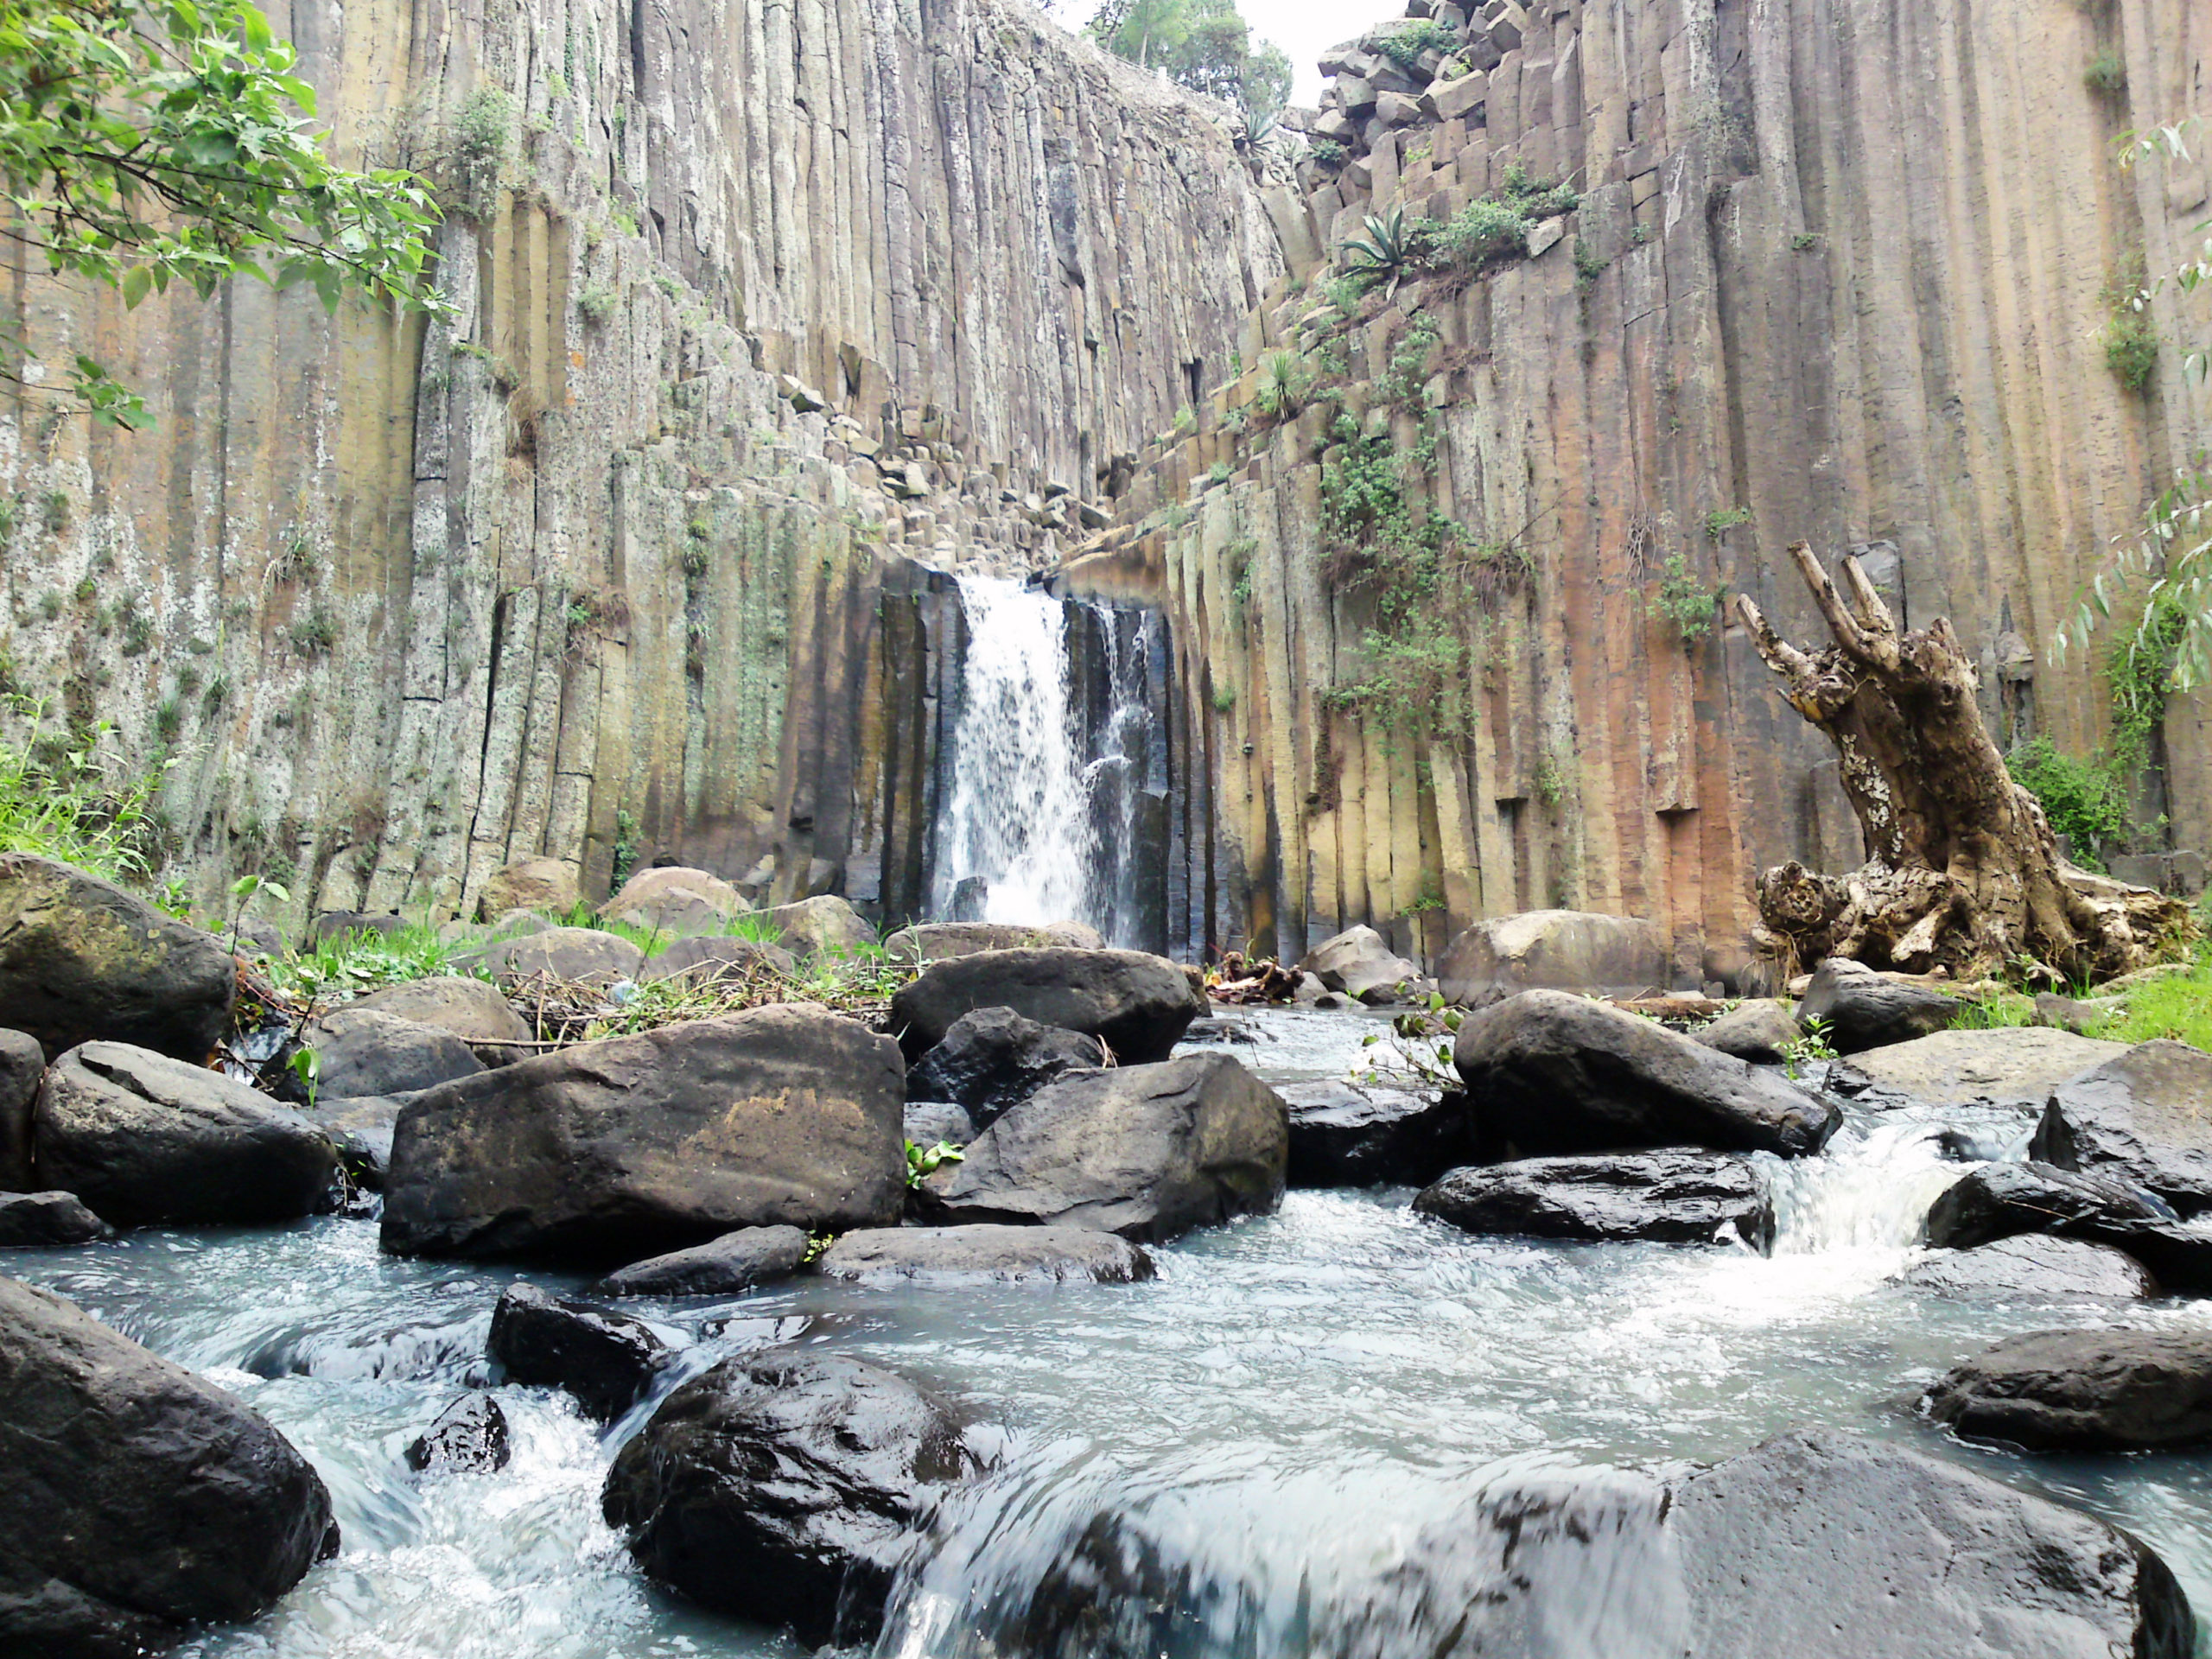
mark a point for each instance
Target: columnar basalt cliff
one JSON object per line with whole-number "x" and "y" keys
{"x": 1836, "y": 271}
{"x": 762, "y": 310}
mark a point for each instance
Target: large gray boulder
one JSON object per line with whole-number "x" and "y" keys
{"x": 1669, "y": 1198}
{"x": 2143, "y": 1117}
{"x": 1140, "y": 1004}
{"x": 472, "y": 1009}
{"x": 1360, "y": 962}
{"x": 784, "y": 1486}
{"x": 720, "y": 1267}
{"x": 2014, "y": 1063}
{"x": 46, "y": 1220}
{"x": 822, "y": 926}
{"x": 542, "y": 884}
{"x": 1554, "y": 949}
{"x": 1551, "y": 1073}
{"x": 984, "y": 1254}
{"x": 993, "y": 1059}
{"x": 2084, "y": 1391}
{"x": 22, "y": 1062}
{"x": 1862, "y": 1008}
{"x": 81, "y": 960}
{"x": 135, "y": 1497}
{"x": 579, "y": 955}
{"x": 1145, "y": 1151}
{"x": 935, "y": 941}
{"x": 611, "y": 1151}
{"x": 1826, "y": 1544}
{"x": 144, "y": 1139}
{"x": 1760, "y": 1030}
{"x": 361, "y": 1051}
{"x": 670, "y": 898}
{"x": 2033, "y": 1264}
{"x": 1363, "y": 1134}
{"x": 2009, "y": 1199}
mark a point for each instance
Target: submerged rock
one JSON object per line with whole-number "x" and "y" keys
{"x": 986, "y": 1255}
{"x": 83, "y": 961}
{"x": 2084, "y": 1391}
{"x": 782, "y": 1486}
{"x": 606, "y": 1360}
{"x": 1145, "y": 1151}
{"x": 721, "y": 1267}
{"x": 612, "y": 1150}
{"x": 23, "y": 1063}
{"x": 144, "y": 1139}
{"x": 2004, "y": 1200}
{"x": 2034, "y": 1264}
{"x": 993, "y": 1059}
{"x": 1357, "y": 1135}
{"x": 2144, "y": 1117}
{"x": 1553, "y": 1073}
{"x": 1670, "y": 1198}
{"x": 1865, "y": 1009}
{"x": 1139, "y": 1004}
{"x": 361, "y": 1051}
{"x": 135, "y": 1497}
{"x": 46, "y": 1220}
{"x": 470, "y": 1437}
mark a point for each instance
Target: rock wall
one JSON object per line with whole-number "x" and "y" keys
{"x": 767, "y": 315}
{"x": 1836, "y": 273}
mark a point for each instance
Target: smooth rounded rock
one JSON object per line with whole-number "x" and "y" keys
{"x": 546, "y": 883}
{"x": 1139, "y": 1004}
{"x": 721, "y": 1267}
{"x": 2034, "y": 1264}
{"x": 472, "y": 1009}
{"x": 565, "y": 956}
{"x": 822, "y": 926}
{"x": 605, "y": 1360}
{"x": 1950, "y": 1067}
{"x": 361, "y": 1051}
{"x": 935, "y": 941}
{"x": 1862, "y": 1008}
{"x": 1671, "y": 1197}
{"x": 2084, "y": 1391}
{"x": 992, "y": 1060}
{"x": 706, "y": 957}
{"x": 929, "y": 1121}
{"x": 22, "y": 1064}
{"x": 985, "y": 1253}
{"x": 1760, "y": 1031}
{"x": 1360, "y": 962}
{"x": 48, "y": 1220}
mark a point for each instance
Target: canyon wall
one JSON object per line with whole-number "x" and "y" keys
{"x": 1839, "y": 271}
{"x": 767, "y": 315}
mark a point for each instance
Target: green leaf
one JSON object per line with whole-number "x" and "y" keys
{"x": 137, "y": 281}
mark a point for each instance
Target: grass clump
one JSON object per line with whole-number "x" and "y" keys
{"x": 62, "y": 798}
{"x": 2179, "y": 1007}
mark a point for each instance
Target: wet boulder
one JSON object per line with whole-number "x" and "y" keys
{"x": 605, "y": 1360}
{"x": 1364, "y": 1135}
{"x": 1360, "y": 962}
{"x": 1826, "y": 1544}
{"x": 1670, "y": 1198}
{"x": 2084, "y": 1391}
{"x": 546, "y": 883}
{"x": 135, "y": 1497}
{"x": 81, "y": 960}
{"x": 1145, "y": 1151}
{"x": 1551, "y": 1073}
{"x": 23, "y": 1063}
{"x": 984, "y": 1254}
{"x": 822, "y": 926}
{"x": 2033, "y": 1264}
{"x": 472, "y": 1009}
{"x": 2005, "y": 1200}
{"x": 1554, "y": 949}
{"x": 360, "y": 1051}
{"x": 613, "y": 1151}
{"x": 362, "y": 1130}
{"x": 706, "y": 957}
{"x": 1865, "y": 1009}
{"x": 566, "y": 955}
{"x": 45, "y": 1220}
{"x": 1139, "y": 1004}
{"x": 782, "y": 1486}
{"x": 470, "y": 1437}
{"x": 2015, "y": 1063}
{"x": 935, "y": 941}
{"x": 1760, "y": 1030}
{"x": 2144, "y": 1117}
{"x": 993, "y": 1059}
{"x": 142, "y": 1139}
{"x": 721, "y": 1267}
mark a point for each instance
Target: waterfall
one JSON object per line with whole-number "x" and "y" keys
{"x": 1058, "y": 776}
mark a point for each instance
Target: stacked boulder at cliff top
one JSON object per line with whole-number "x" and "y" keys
{"x": 1140, "y": 1005}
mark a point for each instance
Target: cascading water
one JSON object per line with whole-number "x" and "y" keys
{"x": 1053, "y": 769}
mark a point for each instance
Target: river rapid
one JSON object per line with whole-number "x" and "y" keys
{"x": 1277, "y": 1416}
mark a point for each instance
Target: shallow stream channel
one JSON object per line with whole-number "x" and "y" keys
{"x": 1250, "y": 1439}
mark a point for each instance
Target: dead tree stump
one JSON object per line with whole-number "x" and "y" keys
{"x": 1963, "y": 870}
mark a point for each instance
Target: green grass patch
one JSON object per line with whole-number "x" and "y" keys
{"x": 63, "y": 795}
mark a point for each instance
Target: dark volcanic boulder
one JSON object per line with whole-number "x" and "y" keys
{"x": 361, "y": 1051}
{"x": 2084, "y": 1391}
{"x": 2003, "y": 1200}
{"x": 142, "y": 1139}
{"x": 469, "y": 1437}
{"x": 1760, "y": 1030}
{"x": 472, "y": 1009}
{"x": 721, "y": 1267}
{"x": 22, "y": 1062}
{"x": 1864, "y": 1009}
{"x": 1139, "y": 1004}
{"x": 1550, "y": 1072}
{"x": 2144, "y": 1118}
{"x": 612, "y": 1150}
{"x": 1670, "y": 1198}
{"x": 781, "y": 1486}
{"x": 43, "y": 1220}
{"x": 606, "y": 1360}
{"x": 1358, "y": 1135}
{"x": 992, "y": 1058}
{"x": 1144, "y": 1151}
{"x": 1825, "y": 1545}
{"x": 80, "y": 960}
{"x": 985, "y": 1255}
{"x": 134, "y": 1496}
{"x": 2033, "y": 1264}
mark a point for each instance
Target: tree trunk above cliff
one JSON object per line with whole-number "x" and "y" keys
{"x": 1963, "y": 871}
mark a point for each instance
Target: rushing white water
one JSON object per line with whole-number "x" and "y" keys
{"x": 1017, "y": 816}
{"x": 1239, "y": 1460}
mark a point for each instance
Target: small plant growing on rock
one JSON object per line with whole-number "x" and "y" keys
{"x": 1385, "y": 250}
{"x": 1286, "y": 382}
{"x": 2106, "y": 73}
{"x": 1406, "y": 46}
{"x": 1722, "y": 520}
{"x": 1328, "y": 153}
{"x": 597, "y": 302}
{"x": 1811, "y": 1047}
{"x": 314, "y": 634}
{"x": 922, "y": 1162}
{"x": 1684, "y": 601}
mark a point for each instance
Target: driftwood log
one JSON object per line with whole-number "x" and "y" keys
{"x": 1962, "y": 871}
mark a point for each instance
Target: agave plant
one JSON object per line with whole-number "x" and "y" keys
{"x": 1386, "y": 251}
